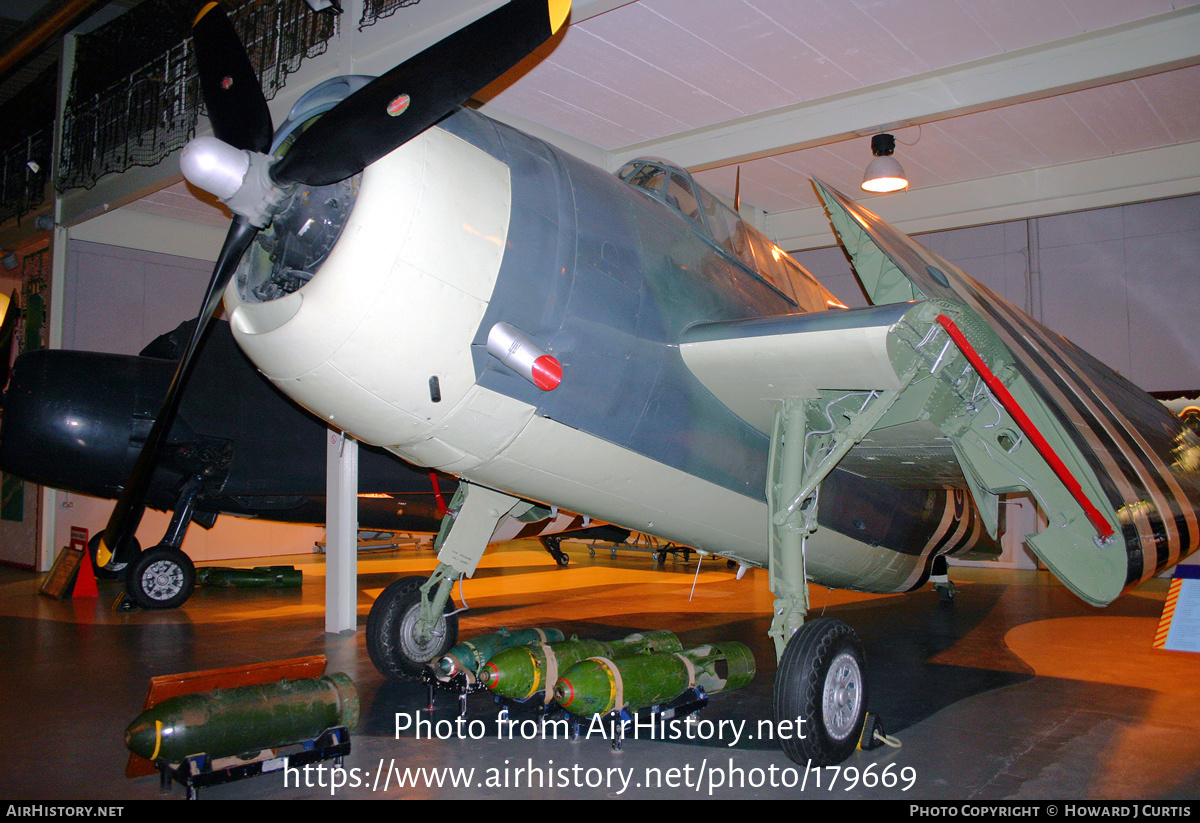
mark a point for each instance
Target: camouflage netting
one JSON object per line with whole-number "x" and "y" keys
{"x": 375, "y": 10}
{"x": 135, "y": 96}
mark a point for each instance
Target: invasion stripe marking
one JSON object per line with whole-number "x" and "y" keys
{"x": 1076, "y": 416}
{"x": 1102, "y": 526}
{"x": 1149, "y": 524}
{"x": 1174, "y": 499}
{"x": 1158, "y": 481}
{"x": 1143, "y": 525}
{"x": 962, "y": 534}
{"x": 917, "y": 264}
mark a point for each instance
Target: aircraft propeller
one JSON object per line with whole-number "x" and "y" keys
{"x": 371, "y": 122}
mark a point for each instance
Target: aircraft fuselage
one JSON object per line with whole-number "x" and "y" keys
{"x": 474, "y": 224}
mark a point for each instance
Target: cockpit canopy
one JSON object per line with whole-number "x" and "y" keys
{"x": 721, "y": 225}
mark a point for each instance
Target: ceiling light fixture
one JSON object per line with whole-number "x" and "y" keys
{"x": 884, "y": 173}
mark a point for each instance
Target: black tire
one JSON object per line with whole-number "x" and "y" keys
{"x": 394, "y": 651}
{"x": 121, "y": 561}
{"x": 161, "y": 578}
{"x": 562, "y": 559}
{"x": 821, "y": 679}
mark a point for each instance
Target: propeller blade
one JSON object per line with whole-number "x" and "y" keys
{"x": 414, "y": 95}
{"x": 127, "y": 513}
{"x": 8, "y": 328}
{"x": 236, "y": 106}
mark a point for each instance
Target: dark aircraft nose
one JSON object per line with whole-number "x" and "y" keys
{"x": 75, "y": 420}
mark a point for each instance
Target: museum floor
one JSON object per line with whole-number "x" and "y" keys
{"x": 1015, "y": 690}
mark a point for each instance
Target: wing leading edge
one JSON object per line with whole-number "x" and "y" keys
{"x": 943, "y": 383}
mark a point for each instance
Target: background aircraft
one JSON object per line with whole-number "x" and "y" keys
{"x": 625, "y": 346}
{"x": 76, "y": 421}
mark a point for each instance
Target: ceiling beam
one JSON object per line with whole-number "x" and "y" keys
{"x": 1154, "y": 44}
{"x": 1108, "y": 181}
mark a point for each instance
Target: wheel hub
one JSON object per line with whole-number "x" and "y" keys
{"x": 418, "y": 644}
{"x": 842, "y": 696}
{"x": 162, "y": 580}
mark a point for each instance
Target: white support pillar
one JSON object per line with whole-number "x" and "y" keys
{"x": 341, "y": 533}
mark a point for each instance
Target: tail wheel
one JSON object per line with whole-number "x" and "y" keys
{"x": 821, "y": 680}
{"x": 392, "y": 640}
{"x": 161, "y": 578}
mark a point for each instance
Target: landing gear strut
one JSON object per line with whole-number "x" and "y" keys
{"x": 413, "y": 622}
{"x": 820, "y": 684}
{"x": 122, "y": 557}
{"x": 940, "y": 577}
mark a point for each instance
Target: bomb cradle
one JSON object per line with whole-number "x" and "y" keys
{"x": 519, "y": 673}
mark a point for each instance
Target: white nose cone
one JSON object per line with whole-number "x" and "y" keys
{"x": 215, "y": 166}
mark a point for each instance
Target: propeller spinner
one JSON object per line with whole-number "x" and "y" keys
{"x": 373, "y": 121}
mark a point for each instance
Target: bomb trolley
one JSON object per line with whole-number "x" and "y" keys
{"x": 200, "y": 771}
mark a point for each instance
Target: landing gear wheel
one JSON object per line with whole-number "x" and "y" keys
{"x": 118, "y": 569}
{"x": 821, "y": 680}
{"x": 945, "y": 592}
{"x": 161, "y": 578}
{"x": 391, "y": 627}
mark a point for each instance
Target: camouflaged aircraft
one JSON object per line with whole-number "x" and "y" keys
{"x": 624, "y": 346}
{"x": 76, "y": 420}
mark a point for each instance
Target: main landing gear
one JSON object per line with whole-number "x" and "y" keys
{"x": 399, "y": 642}
{"x": 413, "y": 622}
{"x": 820, "y": 685}
{"x": 163, "y": 577}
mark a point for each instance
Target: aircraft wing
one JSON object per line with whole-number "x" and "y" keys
{"x": 943, "y": 382}
{"x": 837, "y": 357}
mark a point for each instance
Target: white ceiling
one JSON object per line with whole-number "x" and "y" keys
{"x": 1001, "y": 88}
{"x": 1001, "y": 108}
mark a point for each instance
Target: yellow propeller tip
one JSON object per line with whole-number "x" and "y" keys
{"x": 103, "y": 555}
{"x": 559, "y": 9}
{"x": 207, "y": 8}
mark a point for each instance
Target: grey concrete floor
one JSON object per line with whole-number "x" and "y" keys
{"x": 1015, "y": 690}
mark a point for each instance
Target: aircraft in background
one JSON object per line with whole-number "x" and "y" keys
{"x": 76, "y": 420}
{"x": 480, "y": 302}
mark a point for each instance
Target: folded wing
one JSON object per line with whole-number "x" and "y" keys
{"x": 943, "y": 383}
